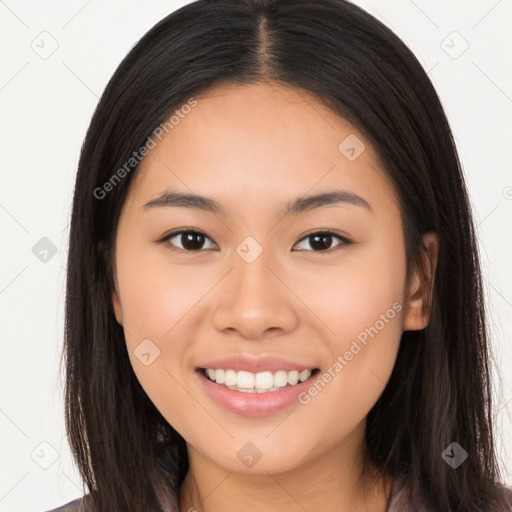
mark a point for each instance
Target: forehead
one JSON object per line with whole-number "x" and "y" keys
{"x": 261, "y": 140}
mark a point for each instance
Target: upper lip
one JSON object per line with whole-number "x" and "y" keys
{"x": 254, "y": 364}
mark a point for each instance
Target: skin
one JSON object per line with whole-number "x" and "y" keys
{"x": 254, "y": 149}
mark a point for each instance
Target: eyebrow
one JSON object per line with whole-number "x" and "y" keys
{"x": 175, "y": 199}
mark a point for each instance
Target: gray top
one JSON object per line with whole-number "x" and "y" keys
{"x": 404, "y": 498}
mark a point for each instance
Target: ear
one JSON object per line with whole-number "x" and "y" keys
{"x": 421, "y": 287}
{"x": 116, "y": 304}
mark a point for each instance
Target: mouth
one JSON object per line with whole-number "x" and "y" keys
{"x": 260, "y": 383}
{"x": 255, "y": 394}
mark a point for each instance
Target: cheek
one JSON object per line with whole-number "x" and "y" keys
{"x": 361, "y": 301}
{"x": 151, "y": 304}
{"x": 353, "y": 294}
{"x": 154, "y": 302}
{"x": 154, "y": 316}
{"x": 154, "y": 294}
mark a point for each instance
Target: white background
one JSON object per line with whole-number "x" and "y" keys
{"x": 46, "y": 105}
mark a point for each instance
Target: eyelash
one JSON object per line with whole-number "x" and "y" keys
{"x": 344, "y": 241}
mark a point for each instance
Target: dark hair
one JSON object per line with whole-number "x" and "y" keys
{"x": 439, "y": 391}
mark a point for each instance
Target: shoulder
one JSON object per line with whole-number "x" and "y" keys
{"x": 406, "y": 497}
{"x": 82, "y": 504}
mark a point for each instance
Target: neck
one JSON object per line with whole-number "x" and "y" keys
{"x": 336, "y": 481}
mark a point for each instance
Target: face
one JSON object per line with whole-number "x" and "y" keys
{"x": 263, "y": 285}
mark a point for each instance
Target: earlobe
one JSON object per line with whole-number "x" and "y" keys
{"x": 116, "y": 304}
{"x": 421, "y": 288}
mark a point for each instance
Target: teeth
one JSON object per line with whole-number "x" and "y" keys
{"x": 230, "y": 379}
{"x": 304, "y": 374}
{"x": 264, "y": 380}
{"x": 247, "y": 382}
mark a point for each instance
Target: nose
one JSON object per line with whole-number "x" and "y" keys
{"x": 255, "y": 301}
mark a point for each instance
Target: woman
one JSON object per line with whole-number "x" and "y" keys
{"x": 274, "y": 298}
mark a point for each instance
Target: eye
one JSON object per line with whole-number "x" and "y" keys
{"x": 190, "y": 239}
{"x": 321, "y": 240}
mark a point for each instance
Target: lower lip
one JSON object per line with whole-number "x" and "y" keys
{"x": 253, "y": 404}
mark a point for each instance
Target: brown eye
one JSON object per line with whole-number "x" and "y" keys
{"x": 194, "y": 241}
{"x": 190, "y": 240}
{"x": 321, "y": 241}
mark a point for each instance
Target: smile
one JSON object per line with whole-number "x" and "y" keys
{"x": 262, "y": 382}
{"x": 254, "y": 394}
